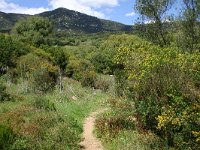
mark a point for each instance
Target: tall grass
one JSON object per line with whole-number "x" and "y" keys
{"x": 49, "y": 121}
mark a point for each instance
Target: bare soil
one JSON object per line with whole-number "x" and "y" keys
{"x": 90, "y": 142}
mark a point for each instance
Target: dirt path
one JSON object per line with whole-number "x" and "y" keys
{"x": 90, "y": 142}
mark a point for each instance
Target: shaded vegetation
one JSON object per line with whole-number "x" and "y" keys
{"x": 53, "y": 74}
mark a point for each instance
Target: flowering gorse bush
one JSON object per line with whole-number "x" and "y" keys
{"x": 165, "y": 85}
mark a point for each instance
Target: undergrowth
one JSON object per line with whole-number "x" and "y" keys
{"x": 118, "y": 129}
{"x": 47, "y": 121}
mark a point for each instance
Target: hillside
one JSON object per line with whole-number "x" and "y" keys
{"x": 7, "y": 20}
{"x": 67, "y": 20}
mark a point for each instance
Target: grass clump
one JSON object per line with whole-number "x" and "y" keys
{"x": 44, "y": 103}
{"x": 7, "y": 137}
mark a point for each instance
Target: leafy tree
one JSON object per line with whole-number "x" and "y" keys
{"x": 5, "y": 51}
{"x": 102, "y": 63}
{"x": 191, "y": 32}
{"x": 59, "y": 57}
{"x": 10, "y": 50}
{"x": 155, "y": 11}
{"x": 33, "y": 30}
{"x": 102, "y": 60}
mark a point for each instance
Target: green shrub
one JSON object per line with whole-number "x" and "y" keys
{"x": 9, "y": 51}
{"x": 44, "y": 103}
{"x": 59, "y": 57}
{"x": 77, "y": 66}
{"x": 164, "y": 86}
{"x": 4, "y": 96}
{"x": 20, "y": 144}
{"x": 33, "y": 30}
{"x": 41, "y": 75}
{"x": 102, "y": 62}
{"x": 102, "y": 83}
{"x": 88, "y": 78}
{"x": 120, "y": 82}
{"x": 82, "y": 70}
{"x": 7, "y": 137}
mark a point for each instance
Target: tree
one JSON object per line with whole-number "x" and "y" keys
{"x": 10, "y": 50}
{"x": 33, "y": 30}
{"x": 154, "y": 11}
{"x": 190, "y": 25}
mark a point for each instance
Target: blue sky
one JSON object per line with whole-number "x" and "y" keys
{"x": 116, "y": 10}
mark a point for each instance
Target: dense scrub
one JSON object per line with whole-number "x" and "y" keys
{"x": 154, "y": 82}
{"x": 164, "y": 84}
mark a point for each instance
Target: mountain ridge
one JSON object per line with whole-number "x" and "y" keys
{"x": 67, "y": 20}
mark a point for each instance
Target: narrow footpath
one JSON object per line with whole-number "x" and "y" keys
{"x": 90, "y": 142}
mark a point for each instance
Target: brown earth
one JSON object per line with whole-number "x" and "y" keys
{"x": 90, "y": 142}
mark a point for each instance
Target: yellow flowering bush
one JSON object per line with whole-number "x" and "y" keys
{"x": 165, "y": 86}
{"x": 197, "y": 135}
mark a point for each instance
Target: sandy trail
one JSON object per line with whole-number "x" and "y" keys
{"x": 90, "y": 142}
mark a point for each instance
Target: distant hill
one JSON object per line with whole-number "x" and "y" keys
{"x": 67, "y": 20}
{"x": 7, "y": 20}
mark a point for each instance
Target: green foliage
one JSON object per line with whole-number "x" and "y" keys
{"x": 88, "y": 78}
{"x": 102, "y": 63}
{"x": 163, "y": 80}
{"x": 44, "y": 103}
{"x": 117, "y": 129}
{"x": 105, "y": 83}
{"x": 154, "y": 11}
{"x": 7, "y": 137}
{"x": 33, "y": 30}
{"x": 60, "y": 58}
{"x": 81, "y": 70}
{"x": 189, "y": 33}
{"x": 4, "y": 96}
{"x": 103, "y": 59}
{"x": 120, "y": 82}
{"x": 37, "y": 125}
{"x": 42, "y": 74}
{"x": 10, "y": 50}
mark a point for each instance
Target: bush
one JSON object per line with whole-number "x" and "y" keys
{"x": 42, "y": 74}
{"x": 103, "y": 83}
{"x": 9, "y": 51}
{"x": 164, "y": 86}
{"x": 44, "y": 103}
{"x": 82, "y": 70}
{"x": 7, "y": 137}
{"x": 33, "y": 30}
{"x": 4, "y": 96}
{"x": 59, "y": 57}
{"x": 88, "y": 78}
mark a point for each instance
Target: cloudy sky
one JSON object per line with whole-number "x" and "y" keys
{"x": 116, "y": 10}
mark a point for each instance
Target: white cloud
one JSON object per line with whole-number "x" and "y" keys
{"x": 96, "y": 8}
{"x": 15, "y": 8}
{"x": 130, "y": 14}
{"x": 90, "y": 7}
